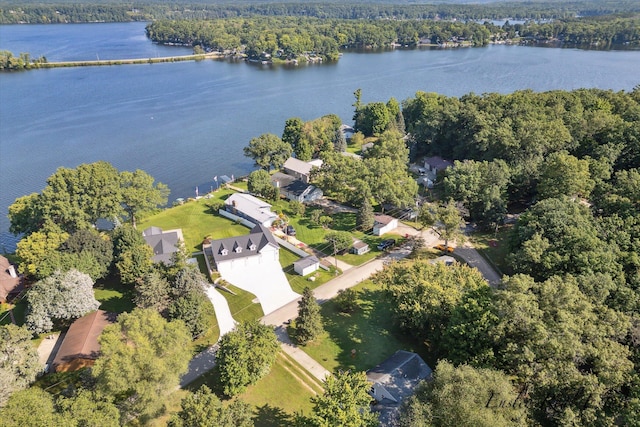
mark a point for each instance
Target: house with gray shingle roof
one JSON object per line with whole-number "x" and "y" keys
{"x": 292, "y": 188}
{"x": 163, "y": 243}
{"x": 257, "y": 242}
{"x": 394, "y": 380}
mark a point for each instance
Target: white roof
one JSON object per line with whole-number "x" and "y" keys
{"x": 251, "y": 206}
{"x": 299, "y": 166}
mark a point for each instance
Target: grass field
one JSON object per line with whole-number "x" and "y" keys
{"x": 197, "y": 221}
{"x": 369, "y": 330}
{"x": 494, "y": 247}
{"x": 287, "y": 389}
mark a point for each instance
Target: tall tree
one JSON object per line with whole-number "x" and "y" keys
{"x": 466, "y": 397}
{"x": 25, "y": 214}
{"x": 133, "y": 257}
{"x": 203, "y": 408}
{"x": 245, "y": 355}
{"x": 268, "y": 151}
{"x": 293, "y": 135}
{"x": 365, "y": 218}
{"x": 152, "y": 291}
{"x": 445, "y": 220}
{"x": 34, "y": 250}
{"x": 260, "y": 183}
{"x": 345, "y": 402}
{"x": 564, "y": 175}
{"x": 143, "y": 357}
{"x": 195, "y": 310}
{"x": 141, "y": 194}
{"x": 19, "y": 362}
{"x": 61, "y": 296}
{"x": 32, "y": 407}
{"x": 309, "y": 320}
{"x": 339, "y": 241}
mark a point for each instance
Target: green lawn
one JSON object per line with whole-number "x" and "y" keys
{"x": 19, "y": 310}
{"x": 241, "y": 305}
{"x": 287, "y": 389}
{"x": 369, "y": 330}
{"x": 196, "y": 220}
{"x": 297, "y": 282}
{"x": 494, "y": 247}
{"x": 113, "y": 296}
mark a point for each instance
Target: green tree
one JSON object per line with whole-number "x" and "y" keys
{"x": 19, "y": 362}
{"x": 347, "y": 300}
{"x": 32, "y": 407}
{"x": 25, "y": 214}
{"x": 259, "y": 183}
{"x": 87, "y": 409}
{"x": 373, "y": 118}
{"x": 445, "y": 220}
{"x": 564, "y": 175}
{"x": 152, "y": 291}
{"x": 423, "y": 294}
{"x": 195, "y": 310}
{"x": 245, "y": 355}
{"x": 133, "y": 257}
{"x": 296, "y": 208}
{"x": 143, "y": 357}
{"x": 203, "y": 409}
{"x": 339, "y": 141}
{"x": 365, "y": 218}
{"x": 464, "y": 396}
{"x": 61, "y": 296}
{"x": 92, "y": 243}
{"x": 141, "y": 194}
{"x": 309, "y": 320}
{"x": 33, "y": 250}
{"x": 339, "y": 240}
{"x": 345, "y": 402}
{"x": 293, "y": 135}
{"x": 268, "y": 151}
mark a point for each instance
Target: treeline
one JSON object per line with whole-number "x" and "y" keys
{"x": 67, "y": 12}
{"x": 293, "y": 36}
{"x": 8, "y": 62}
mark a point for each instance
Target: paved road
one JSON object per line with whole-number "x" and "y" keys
{"x": 474, "y": 259}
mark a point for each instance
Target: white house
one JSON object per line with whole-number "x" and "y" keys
{"x": 383, "y": 224}
{"x": 250, "y": 208}
{"x": 306, "y": 265}
{"x": 252, "y": 263}
{"x": 359, "y": 247}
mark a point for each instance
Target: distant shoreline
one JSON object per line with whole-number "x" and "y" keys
{"x": 103, "y": 62}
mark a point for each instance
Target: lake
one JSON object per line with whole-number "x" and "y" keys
{"x": 186, "y": 122}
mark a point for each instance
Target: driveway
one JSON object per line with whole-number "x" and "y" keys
{"x": 221, "y": 308}
{"x": 471, "y": 256}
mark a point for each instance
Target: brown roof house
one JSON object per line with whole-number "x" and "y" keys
{"x": 394, "y": 380}
{"x": 10, "y": 282}
{"x": 80, "y": 347}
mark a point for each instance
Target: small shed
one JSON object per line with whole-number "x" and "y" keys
{"x": 383, "y": 224}
{"x": 359, "y": 247}
{"x": 306, "y": 265}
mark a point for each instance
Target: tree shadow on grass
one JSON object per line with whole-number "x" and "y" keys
{"x": 272, "y": 416}
{"x": 369, "y": 330}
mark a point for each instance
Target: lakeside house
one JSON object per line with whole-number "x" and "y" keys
{"x": 163, "y": 243}
{"x": 11, "y": 283}
{"x": 252, "y": 263}
{"x": 299, "y": 169}
{"x": 292, "y": 188}
{"x": 251, "y": 209}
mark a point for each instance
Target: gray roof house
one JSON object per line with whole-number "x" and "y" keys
{"x": 359, "y": 247}
{"x": 245, "y": 246}
{"x": 436, "y": 163}
{"x": 394, "y": 380}
{"x": 163, "y": 243}
{"x": 250, "y": 208}
{"x": 295, "y": 189}
{"x": 300, "y": 169}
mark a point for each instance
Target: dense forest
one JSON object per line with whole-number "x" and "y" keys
{"x": 45, "y": 12}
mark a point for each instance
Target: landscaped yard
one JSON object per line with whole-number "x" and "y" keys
{"x": 114, "y": 296}
{"x": 287, "y": 389}
{"x": 297, "y": 282}
{"x": 241, "y": 304}
{"x": 197, "y": 221}
{"x": 369, "y": 330}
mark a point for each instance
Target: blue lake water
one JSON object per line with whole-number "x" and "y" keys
{"x": 186, "y": 122}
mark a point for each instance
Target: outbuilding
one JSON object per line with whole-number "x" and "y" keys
{"x": 306, "y": 265}
{"x": 383, "y": 224}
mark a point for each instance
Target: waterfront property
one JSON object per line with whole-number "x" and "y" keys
{"x": 10, "y": 282}
{"x": 300, "y": 169}
{"x": 163, "y": 243}
{"x": 252, "y": 263}
{"x": 249, "y": 208}
{"x": 295, "y": 189}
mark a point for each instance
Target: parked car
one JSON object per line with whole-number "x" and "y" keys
{"x": 443, "y": 249}
{"x": 290, "y": 231}
{"x": 386, "y": 244}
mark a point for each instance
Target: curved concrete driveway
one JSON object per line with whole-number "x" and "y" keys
{"x": 221, "y": 307}
{"x": 471, "y": 256}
